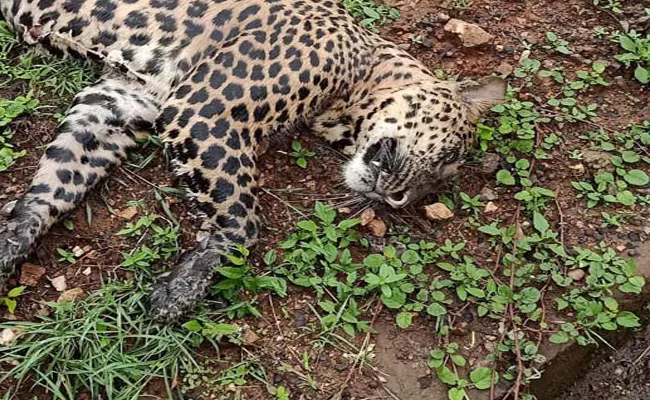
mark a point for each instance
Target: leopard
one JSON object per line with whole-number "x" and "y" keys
{"x": 215, "y": 80}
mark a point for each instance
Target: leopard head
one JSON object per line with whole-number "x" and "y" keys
{"x": 411, "y": 138}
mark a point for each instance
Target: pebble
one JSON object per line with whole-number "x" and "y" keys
{"x": 30, "y": 274}
{"x": 490, "y": 207}
{"x": 71, "y": 295}
{"x": 437, "y": 211}
{"x": 442, "y": 17}
{"x": 340, "y": 367}
{"x": 471, "y": 35}
{"x": 505, "y": 69}
{"x": 366, "y": 216}
{"x": 127, "y": 213}
{"x": 577, "y": 274}
{"x": 59, "y": 283}
{"x": 621, "y": 248}
{"x": 377, "y": 228}
{"x": 488, "y": 194}
{"x": 7, "y": 337}
{"x": 300, "y": 319}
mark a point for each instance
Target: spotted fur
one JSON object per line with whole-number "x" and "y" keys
{"x": 215, "y": 78}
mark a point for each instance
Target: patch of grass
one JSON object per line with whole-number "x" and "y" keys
{"x": 44, "y": 74}
{"x": 369, "y": 14}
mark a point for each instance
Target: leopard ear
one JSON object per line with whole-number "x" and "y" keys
{"x": 480, "y": 96}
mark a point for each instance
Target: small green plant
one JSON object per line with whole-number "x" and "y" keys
{"x": 9, "y": 300}
{"x": 613, "y": 5}
{"x": 300, "y": 154}
{"x": 558, "y": 44}
{"x": 462, "y": 5}
{"x": 369, "y": 14}
{"x": 637, "y": 53}
{"x": 66, "y": 256}
{"x": 473, "y": 204}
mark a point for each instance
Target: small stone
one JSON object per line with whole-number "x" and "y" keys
{"x": 71, "y": 295}
{"x": 505, "y": 69}
{"x": 488, "y": 194}
{"x": 490, "y": 163}
{"x": 345, "y": 210}
{"x": 618, "y": 371}
{"x": 499, "y": 48}
{"x": 578, "y": 168}
{"x": 576, "y": 274}
{"x": 59, "y": 283}
{"x": 340, "y": 367}
{"x": 404, "y": 46}
{"x": 377, "y": 228}
{"x": 490, "y": 207}
{"x": 80, "y": 251}
{"x": 437, "y": 211}
{"x": 621, "y": 248}
{"x": 632, "y": 253}
{"x": 373, "y": 384}
{"x": 366, "y": 216}
{"x": 470, "y": 34}
{"x": 248, "y": 336}
{"x": 30, "y": 274}
{"x": 8, "y": 208}
{"x": 425, "y": 381}
{"x": 524, "y": 55}
{"x": 202, "y": 235}
{"x": 300, "y": 319}
{"x": 7, "y": 337}
{"x": 128, "y": 213}
{"x": 87, "y": 271}
{"x": 442, "y": 17}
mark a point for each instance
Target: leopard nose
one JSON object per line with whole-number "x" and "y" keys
{"x": 397, "y": 199}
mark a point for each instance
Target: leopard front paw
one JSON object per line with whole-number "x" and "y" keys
{"x": 188, "y": 284}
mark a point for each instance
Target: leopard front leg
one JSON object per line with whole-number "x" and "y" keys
{"x": 214, "y": 156}
{"x": 94, "y": 137}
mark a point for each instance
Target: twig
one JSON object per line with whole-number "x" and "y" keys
{"x": 275, "y": 317}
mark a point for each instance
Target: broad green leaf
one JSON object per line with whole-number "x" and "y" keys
{"x": 505, "y": 177}
{"x": 17, "y": 291}
{"x": 457, "y": 394}
{"x": 446, "y": 375}
{"x": 559, "y": 337}
{"x": 193, "y": 326}
{"x": 627, "y": 320}
{"x": 404, "y": 319}
{"x": 636, "y": 177}
{"x": 482, "y": 377}
{"x": 540, "y": 223}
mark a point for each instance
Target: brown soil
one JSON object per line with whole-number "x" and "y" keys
{"x": 288, "y": 328}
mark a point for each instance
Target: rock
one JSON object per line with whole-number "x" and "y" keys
{"x": 621, "y": 248}
{"x": 437, "y": 211}
{"x": 7, "y": 337}
{"x": 442, "y": 17}
{"x": 404, "y": 46}
{"x": 59, "y": 283}
{"x": 578, "y": 168}
{"x": 470, "y": 34}
{"x": 80, "y": 251}
{"x": 344, "y": 210}
{"x": 128, "y": 213}
{"x": 366, "y": 216}
{"x": 87, "y": 271}
{"x": 71, "y": 295}
{"x": 377, "y": 228}
{"x": 576, "y": 274}
{"x": 488, "y": 194}
{"x": 248, "y": 336}
{"x": 425, "y": 381}
{"x": 490, "y": 207}
{"x": 340, "y": 367}
{"x": 8, "y": 208}
{"x": 300, "y": 319}
{"x": 597, "y": 161}
{"x": 505, "y": 69}
{"x": 30, "y": 274}
{"x": 499, "y": 48}
{"x": 490, "y": 163}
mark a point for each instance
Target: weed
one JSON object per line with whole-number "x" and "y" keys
{"x": 637, "y": 53}
{"x": 613, "y": 5}
{"x": 66, "y": 256}
{"x": 557, "y": 43}
{"x": 369, "y": 14}
{"x": 9, "y": 300}
{"x": 300, "y": 154}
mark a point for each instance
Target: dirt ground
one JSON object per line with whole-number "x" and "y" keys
{"x": 400, "y": 355}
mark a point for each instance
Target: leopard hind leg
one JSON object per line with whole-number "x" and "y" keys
{"x": 94, "y": 137}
